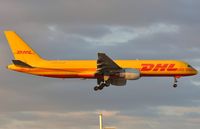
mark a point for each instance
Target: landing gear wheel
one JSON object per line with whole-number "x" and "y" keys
{"x": 101, "y": 84}
{"x": 96, "y": 88}
{"x": 175, "y": 85}
{"x": 101, "y": 87}
{"x": 175, "y": 82}
{"x": 106, "y": 85}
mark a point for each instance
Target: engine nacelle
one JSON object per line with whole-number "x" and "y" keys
{"x": 118, "y": 81}
{"x": 130, "y": 74}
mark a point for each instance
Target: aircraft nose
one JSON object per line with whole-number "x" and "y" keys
{"x": 195, "y": 71}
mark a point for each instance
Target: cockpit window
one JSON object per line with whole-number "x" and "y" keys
{"x": 190, "y": 66}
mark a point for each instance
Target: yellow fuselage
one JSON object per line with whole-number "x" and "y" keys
{"x": 25, "y": 56}
{"x": 88, "y": 68}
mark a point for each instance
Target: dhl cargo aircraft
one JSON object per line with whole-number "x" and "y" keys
{"x": 104, "y": 69}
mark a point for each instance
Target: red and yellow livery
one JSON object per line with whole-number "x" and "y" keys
{"x": 104, "y": 69}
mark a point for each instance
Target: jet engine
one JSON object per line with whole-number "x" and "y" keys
{"x": 123, "y": 75}
{"x": 129, "y": 74}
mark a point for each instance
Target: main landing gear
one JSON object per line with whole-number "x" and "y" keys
{"x": 101, "y": 86}
{"x": 101, "y": 83}
{"x": 175, "y": 82}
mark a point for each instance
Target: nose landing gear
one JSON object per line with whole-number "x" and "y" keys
{"x": 175, "y": 82}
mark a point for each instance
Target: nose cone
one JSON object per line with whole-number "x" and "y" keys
{"x": 195, "y": 71}
{"x": 192, "y": 70}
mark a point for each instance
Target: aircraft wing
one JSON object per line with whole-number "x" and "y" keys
{"x": 106, "y": 65}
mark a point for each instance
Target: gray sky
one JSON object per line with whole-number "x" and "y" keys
{"x": 78, "y": 29}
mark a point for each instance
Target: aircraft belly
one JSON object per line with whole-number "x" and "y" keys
{"x": 65, "y": 74}
{"x": 167, "y": 74}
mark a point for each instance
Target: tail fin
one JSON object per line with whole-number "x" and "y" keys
{"x": 20, "y": 49}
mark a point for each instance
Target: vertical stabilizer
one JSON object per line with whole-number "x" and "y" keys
{"x": 20, "y": 49}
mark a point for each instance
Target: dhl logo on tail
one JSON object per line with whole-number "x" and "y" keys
{"x": 24, "y": 52}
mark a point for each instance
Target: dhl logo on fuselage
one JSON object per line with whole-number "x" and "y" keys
{"x": 24, "y": 52}
{"x": 158, "y": 67}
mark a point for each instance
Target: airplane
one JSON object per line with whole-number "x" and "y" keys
{"x": 104, "y": 69}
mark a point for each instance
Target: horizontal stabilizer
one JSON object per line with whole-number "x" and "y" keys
{"x": 21, "y": 63}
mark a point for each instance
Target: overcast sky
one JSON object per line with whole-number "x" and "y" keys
{"x": 78, "y": 29}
